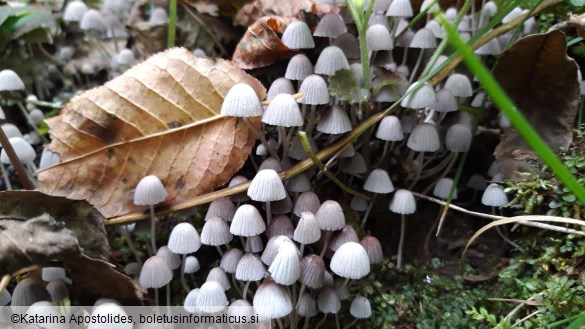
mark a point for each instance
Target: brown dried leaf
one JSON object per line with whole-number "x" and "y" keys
{"x": 542, "y": 81}
{"x": 285, "y": 9}
{"x": 260, "y": 46}
{"x": 159, "y": 118}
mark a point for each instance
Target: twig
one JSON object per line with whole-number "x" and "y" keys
{"x": 525, "y": 318}
{"x": 20, "y": 171}
{"x": 4, "y": 282}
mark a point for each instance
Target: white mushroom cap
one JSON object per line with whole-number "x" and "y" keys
{"x": 173, "y": 260}
{"x": 307, "y": 201}
{"x": 328, "y": 301}
{"x": 28, "y": 292}
{"x": 254, "y": 244}
{"x": 266, "y": 186}
{"x": 155, "y": 273}
{"x": 280, "y": 86}
{"x": 184, "y": 239}
{"x": 515, "y": 13}
{"x": 110, "y": 310}
{"x": 247, "y": 221}
{"x": 424, "y": 138}
{"x": 312, "y": 271}
{"x": 492, "y": 47}
{"x": 272, "y": 248}
{"x": 390, "y": 129}
{"x": 23, "y": 150}
{"x": 494, "y": 196}
{"x": 158, "y": 15}
{"x": 299, "y": 183}
{"x": 378, "y": 38}
{"x": 211, "y": 297}
{"x": 190, "y": 304}
{"x": 53, "y": 273}
{"x": 5, "y": 297}
{"x": 149, "y": 191}
{"x": 360, "y": 307}
{"x": 446, "y": 102}
{"x": 458, "y": 138}
{"x": 215, "y": 232}
{"x": 436, "y": 28}
{"x": 191, "y": 264}
{"x": 218, "y": 275}
{"x": 230, "y": 259}
{"x": 443, "y": 188}
{"x": 57, "y": 289}
{"x": 270, "y": 163}
{"x": 423, "y": 97}
{"x": 423, "y": 39}
{"x": 403, "y": 203}
{"x": 223, "y": 208}
{"x": 298, "y": 36}
{"x": 10, "y": 81}
{"x": 373, "y": 248}
{"x": 286, "y": 268}
{"x": 330, "y": 216}
{"x": 283, "y": 111}
{"x": 331, "y": 59}
{"x": 378, "y": 181}
{"x": 241, "y": 101}
{"x": 307, "y": 306}
{"x": 299, "y": 67}
{"x": 93, "y": 20}
{"x": 350, "y": 261}
{"x": 126, "y": 57}
{"x": 349, "y": 44}
{"x": 334, "y": 121}
{"x": 74, "y": 11}
{"x": 405, "y": 37}
{"x": 308, "y": 230}
{"x": 271, "y": 300}
{"x": 459, "y": 85}
{"x": 400, "y": 8}
{"x": 250, "y": 268}
{"x": 331, "y": 26}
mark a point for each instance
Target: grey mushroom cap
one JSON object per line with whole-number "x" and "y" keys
{"x": 494, "y": 196}
{"x": 360, "y": 307}
{"x": 230, "y": 259}
{"x": 328, "y": 301}
{"x": 218, "y": 275}
{"x": 28, "y": 292}
{"x": 378, "y": 181}
{"x": 330, "y": 216}
{"x": 298, "y": 36}
{"x": 403, "y": 202}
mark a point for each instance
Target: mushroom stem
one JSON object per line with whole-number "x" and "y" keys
{"x": 401, "y": 242}
{"x": 30, "y": 122}
{"x": 306, "y": 324}
{"x": 260, "y": 136}
{"x": 418, "y": 60}
{"x": 418, "y": 170}
{"x": 404, "y": 56}
{"x": 337, "y": 320}
{"x": 219, "y": 250}
{"x": 322, "y": 321}
{"x": 130, "y": 243}
{"x": 311, "y": 121}
{"x": 301, "y": 291}
{"x": 279, "y": 322}
{"x": 351, "y": 324}
{"x": 156, "y": 296}
{"x": 152, "y": 230}
{"x": 367, "y": 214}
{"x": 245, "y": 292}
{"x": 268, "y": 213}
{"x": 326, "y": 244}
{"x": 183, "y": 279}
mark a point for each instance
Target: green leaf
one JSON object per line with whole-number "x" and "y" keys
{"x": 578, "y": 3}
{"x": 343, "y": 85}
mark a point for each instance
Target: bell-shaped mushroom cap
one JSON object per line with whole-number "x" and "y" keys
{"x": 286, "y": 268}
{"x": 28, "y": 292}
{"x": 280, "y": 207}
{"x": 298, "y": 36}
{"x": 446, "y": 102}
{"x": 307, "y": 201}
{"x": 299, "y": 67}
{"x": 215, "y": 232}
{"x": 272, "y": 300}
{"x": 280, "y": 86}
{"x": 57, "y": 289}
{"x": 347, "y": 234}
{"x": 349, "y": 44}
{"x": 280, "y": 225}
{"x": 211, "y": 297}
{"x": 173, "y": 260}
{"x": 360, "y": 307}
{"x": 229, "y": 260}
{"x": 373, "y": 248}
{"x": 149, "y": 191}
{"x": 378, "y": 181}
{"x": 378, "y": 38}
{"x": 328, "y": 301}
{"x": 158, "y": 15}
{"x": 126, "y": 57}
{"x": 218, "y": 275}
{"x": 515, "y": 13}
{"x": 407, "y": 124}
{"x": 330, "y": 26}
{"x": 330, "y": 216}
{"x": 443, "y": 188}
{"x": 223, "y": 208}
{"x": 477, "y": 182}
{"x": 133, "y": 269}
{"x": 266, "y": 186}
{"x": 184, "y": 239}
{"x": 459, "y": 85}
{"x": 390, "y": 129}
{"x": 436, "y": 28}
{"x": 312, "y": 271}
{"x": 93, "y": 20}
{"x": 458, "y": 138}
{"x": 247, "y": 221}
{"x": 53, "y": 273}
{"x": 492, "y": 47}
{"x": 299, "y": 183}
{"x": 283, "y": 111}
{"x": 272, "y": 248}
{"x": 358, "y": 73}
{"x": 424, "y": 138}
{"x": 74, "y": 11}
{"x": 23, "y": 150}
{"x": 5, "y": 297}
{"x": 109, "y": 309}
{"x": 423, "y": 39}
{"x": 190, "y": 304}
{"x": 334, "y": 121}
{"x": 331, "y": 60}
{"x": 494, "y": 196}
{"x": 358, "y": 204}
{"x": 403, "y": 203}
{"x": 307, "y": 306}
{"x": 400, "y": 8}
{"x": 354, "y": 165}
{"x": 270, "y": 163}
{"x": 254, "y": 244}
{"x": 241, "y": 101}
{"x": 155, "y": 273}
{"x": 423, "y": 97}
{"x": 308, "y": 230}
{"x": 250, "y": 268}
{"x": 10, "y": 81}
{"x": 191, "y": 264}
{"x": 350, "y": 261}
{"x": 297, "y": 151}
{"x": 240, "y": 308}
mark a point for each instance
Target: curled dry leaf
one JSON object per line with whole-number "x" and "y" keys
{"x": 261, "y": 46}
{"x": 286, "y": 9}
{"x": 542, "y": 81}
{"x": 159, "y": 118}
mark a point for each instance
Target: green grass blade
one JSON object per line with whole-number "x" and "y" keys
{"x": 505, "y": 104}
{"x": 172, "y": 23}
